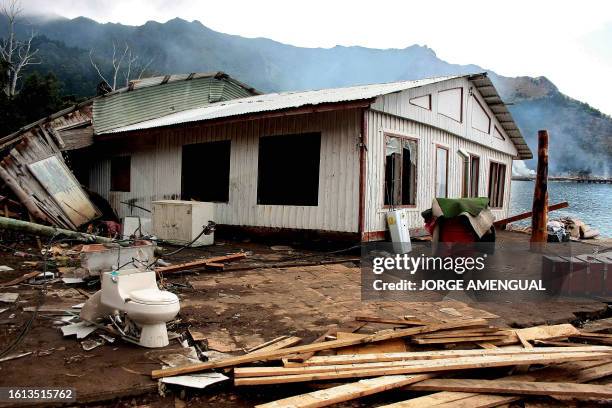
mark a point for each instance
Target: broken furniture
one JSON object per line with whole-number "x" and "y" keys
{"x": 183, "y": 222}
{"x": 133, "y": 296}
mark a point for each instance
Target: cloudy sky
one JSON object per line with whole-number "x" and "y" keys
{"x": 569, "y": 42}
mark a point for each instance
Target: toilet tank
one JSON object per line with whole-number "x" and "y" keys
{"x": 179, "y": 222}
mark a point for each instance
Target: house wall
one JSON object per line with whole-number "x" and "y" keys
{"x": 156, "y": 170}
{"x": 394, "y": 114}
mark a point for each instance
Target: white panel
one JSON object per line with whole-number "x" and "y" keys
{"x": 480, "y": 119}
{"x": 450, "y": 103}
{"x": 428, "y": 137}
{"x": 497, "y": 133}
{"x": 156, "y": 171}
{"x": 422, "y": 101}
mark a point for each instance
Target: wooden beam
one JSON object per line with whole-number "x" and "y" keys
{"x": 327, "y": 345}
{"x": 399, "y": 322}
{"x": 21, "y": 279}
{"x": 539, "y": 218}
{"x": 201, "y": 263}
{"x": 443, "y": 354}
{"x": 425, "y": 366}
{"x": 503, "y": 222}
{"x": 515, "y": 387}
{"x": 346, "y": 392}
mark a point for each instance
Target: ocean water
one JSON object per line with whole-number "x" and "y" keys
{"x": 592, "y": 203}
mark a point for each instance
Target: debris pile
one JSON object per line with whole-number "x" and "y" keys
{"x": 467, "y": 360}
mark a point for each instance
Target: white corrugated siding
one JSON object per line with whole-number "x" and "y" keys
{"x": 156, "y": 171}
{"x": 399, "y": 104}
{"x": 428, "y": 137}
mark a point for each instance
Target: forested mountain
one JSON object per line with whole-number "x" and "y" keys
{"x": 581, "y": 137}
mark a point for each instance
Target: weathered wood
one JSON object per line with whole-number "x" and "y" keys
{"x": 21, "y": 279}
{"x": 424, "y": 366}
{"x": 515, "y": 387}
{"x": 443, "y": 354}
{"x": 578, "y": 372}
{"x": 505, "y": 221}
{"x": 541, "y": 333}
{"x": 298, "y": 358}
{"x": 466, "y": 339}
{"x": 201, "y": 263}
{"x": 267, "y": 343}
{"x": 328, "y": 345}
{"x": 288, "y": 342}
{"x": 400, "y": 322}
{"x": 539, "y": 218}
{"x": 346, "y": 392}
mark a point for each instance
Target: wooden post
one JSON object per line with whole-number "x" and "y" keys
{"x": 540, "y": 194}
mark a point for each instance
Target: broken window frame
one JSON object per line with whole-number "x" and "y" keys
{"x": 119, "y": 180}
{"x": 437, "y": 176}
{"x": 474, "y": 185}
{"x": 497, "y": 184}
{"x": 400, "y": 199}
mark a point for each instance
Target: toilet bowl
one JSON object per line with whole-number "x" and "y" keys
{"x": 135, "y": 293}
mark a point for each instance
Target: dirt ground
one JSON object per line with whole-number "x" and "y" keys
{"x": 256, "y": 301}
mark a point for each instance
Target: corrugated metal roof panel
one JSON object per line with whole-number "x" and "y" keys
{"x": 277, "y": 101}
{"x": 288, "y": 100}
{"x": 160, "y": 96}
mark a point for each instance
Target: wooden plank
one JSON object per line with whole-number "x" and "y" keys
{"x": 579, "y": 372}
{"x": 200, "y": 263}
{"x": 515, "y": 387}
{"x": 328, "y": 345}
{"x": 21, "y": 279}
{"x": 346, "y": 392}
{"x": 400, "y": 322}
{"x": 468, "y": 332}
{"x": 467, "y": 339}
{"x": 289, "y": 341}
{"x": 598, "y": 325}
{"x": 542, "y": 333}
{"x": 440, "y": 354}
{"x": 388, "y": 346}
{"x": 265, "y": 344}
{"x": 305, "y": 356}
{"x": 427, "y": 366}
{"x": 505, "y": 221}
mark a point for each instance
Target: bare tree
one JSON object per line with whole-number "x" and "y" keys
{"x": 15, "y": 53}
{"x": 125, "y": 66}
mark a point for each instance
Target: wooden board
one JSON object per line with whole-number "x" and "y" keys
{"x": 289, "y": 341}
{"x": 21, "y": 279}
{"x": 200, "y": 263}
{"x": 515, "y": 387}
{"x": 579, "y": 372}
{"x": 281, "y": 376}
{"x": 442, "y": 354}
{"x": 346, "y": 392}
{"x": 328, "y": 345}
{"x": 397, "y": 322}
{"x": 467, "y": 339}
{"x": 388, "y": 346}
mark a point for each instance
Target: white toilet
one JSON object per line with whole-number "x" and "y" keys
{"x": 135, "y": 293}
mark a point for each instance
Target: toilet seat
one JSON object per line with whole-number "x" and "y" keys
{"x": 153, "y": 297}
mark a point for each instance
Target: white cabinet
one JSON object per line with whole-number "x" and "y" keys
{"x": 180, "y": 222}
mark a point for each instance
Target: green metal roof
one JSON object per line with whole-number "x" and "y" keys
{"x": 155, "y": 97}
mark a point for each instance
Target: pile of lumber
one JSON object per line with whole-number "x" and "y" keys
{"x": 465, "y": 363}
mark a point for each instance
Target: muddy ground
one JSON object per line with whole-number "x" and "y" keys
{"x": 255, "y": 302}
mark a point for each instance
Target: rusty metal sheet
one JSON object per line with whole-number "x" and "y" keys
{"x": 65, "y": 190}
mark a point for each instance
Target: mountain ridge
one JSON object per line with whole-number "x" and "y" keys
{"x": 580, "y": 133}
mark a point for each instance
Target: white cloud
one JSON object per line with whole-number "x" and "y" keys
{"x": 562, "y": 40}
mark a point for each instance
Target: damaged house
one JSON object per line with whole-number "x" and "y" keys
{"x": 331, "y": 160}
